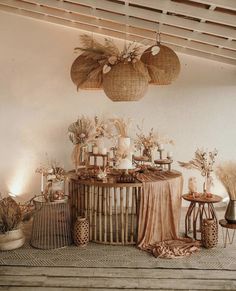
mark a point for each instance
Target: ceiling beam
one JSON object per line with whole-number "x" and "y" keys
{"x": 227, "y": 4}
{"x": 165, "y": 29}
{"x": 184, "y": 9}
{"x": 158, "y": 17}
{"x": 111, "y": 33}
{"x": 122, "y": 28}
{"x": 117, "y": 9}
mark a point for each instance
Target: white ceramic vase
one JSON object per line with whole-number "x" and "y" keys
{"x": 100, "y": 144}
{"x": 123, "y": 143}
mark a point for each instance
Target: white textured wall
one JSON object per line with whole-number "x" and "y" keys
{"x": 39, "y": 101}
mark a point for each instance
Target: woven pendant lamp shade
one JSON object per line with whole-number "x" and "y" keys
{"x": 80, "y": 70}
{"x": 163, "y": 67}
{"x": 125, "y": 83}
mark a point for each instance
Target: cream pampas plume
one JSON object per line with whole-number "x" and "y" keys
{"x": 226, "y": 173}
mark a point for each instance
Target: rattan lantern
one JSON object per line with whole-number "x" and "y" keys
{"x": 126, "y": 81}
{"x": 163, "y": 66}
{"x": 81, "y": 73}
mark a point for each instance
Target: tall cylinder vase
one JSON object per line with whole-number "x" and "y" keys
{"x": 230, "y": 214}
{"x": 209, "y": 230}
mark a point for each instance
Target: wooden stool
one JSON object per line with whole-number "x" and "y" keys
{"x": 197, "y": 212}
{"x": 227, "y": 226}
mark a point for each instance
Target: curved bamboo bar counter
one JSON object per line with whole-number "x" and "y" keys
{"x": 111, "y": 208}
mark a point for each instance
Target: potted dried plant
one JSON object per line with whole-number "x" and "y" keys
{"x": 11, "y": 217}
{"x": 226, "y": 173}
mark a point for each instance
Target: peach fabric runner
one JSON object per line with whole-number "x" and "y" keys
{"x": 160, "y": 207}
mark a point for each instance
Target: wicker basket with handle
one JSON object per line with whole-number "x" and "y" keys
{"x": 164, "y": 67}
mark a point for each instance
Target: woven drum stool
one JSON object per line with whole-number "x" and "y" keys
{"x": 51, "y": 224}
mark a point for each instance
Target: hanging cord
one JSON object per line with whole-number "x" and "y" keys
{"x": 126, "y": 24}
{"x": 94, "y": 16}
{"x": 158, "y": 35}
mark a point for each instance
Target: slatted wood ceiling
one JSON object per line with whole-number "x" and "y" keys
{"x": 205, "y": 28}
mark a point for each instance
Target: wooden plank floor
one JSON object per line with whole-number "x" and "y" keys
{"x": 21, "y": 278}
{"x": 61, "y": 278}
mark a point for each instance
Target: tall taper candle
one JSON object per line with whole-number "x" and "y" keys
{"x": 42, "y": 188}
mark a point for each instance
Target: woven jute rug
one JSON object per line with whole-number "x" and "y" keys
{"x": 107, "y": 256}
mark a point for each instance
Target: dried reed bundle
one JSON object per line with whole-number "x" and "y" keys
{"x": 226, "y": 173}
{"x": 121, "y": 125}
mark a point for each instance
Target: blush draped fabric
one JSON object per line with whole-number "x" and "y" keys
{"x": 160, "y": 207}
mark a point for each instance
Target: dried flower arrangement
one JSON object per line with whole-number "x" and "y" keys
{"x": 204, "y": 162}
{"x": 150, "y": 141}
{"x": 54, "y": 174}
{"x": 226, "y": 173}
{"x": 108, "y": 55}
{"x": 102, "y": 128}
{"x": 13, "y": 214}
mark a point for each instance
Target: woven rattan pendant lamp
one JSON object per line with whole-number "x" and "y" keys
{"x": 125, "y": 83}
{"x": 162, "y": 63}
{"x": 80, "y": 70}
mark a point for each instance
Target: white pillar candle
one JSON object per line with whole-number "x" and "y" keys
{"x": 104, "y": 151}
{"x": 161, "y": 147}
{"x": 42, "y": 186}
{"x": 170, "y": 155}
{"x": 95, "y": 150}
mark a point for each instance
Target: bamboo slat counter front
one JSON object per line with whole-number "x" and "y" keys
{"x": 111, "y": 208}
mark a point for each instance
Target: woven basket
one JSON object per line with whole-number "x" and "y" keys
{"x": 81, "y": 231}
{"x": 79, "y": 74}
{"x": 209, "y": 231}
{"x": 163, "y": 67}
{"x": 124, "y": 83}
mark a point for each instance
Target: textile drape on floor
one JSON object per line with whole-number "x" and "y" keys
{"x": 160, "y": 207}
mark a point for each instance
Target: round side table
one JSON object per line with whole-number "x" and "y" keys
{"x": 200, "y": 207}
{"x": 226, "y": 237}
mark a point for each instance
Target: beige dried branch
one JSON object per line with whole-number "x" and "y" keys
{"x": 202, "y": 161}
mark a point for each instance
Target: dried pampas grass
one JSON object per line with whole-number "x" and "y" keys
{"x": 226, "y": 173}
{"x": 121, "y": 125}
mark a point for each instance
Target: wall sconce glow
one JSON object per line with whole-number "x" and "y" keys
{"x": 17, "y": 182}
